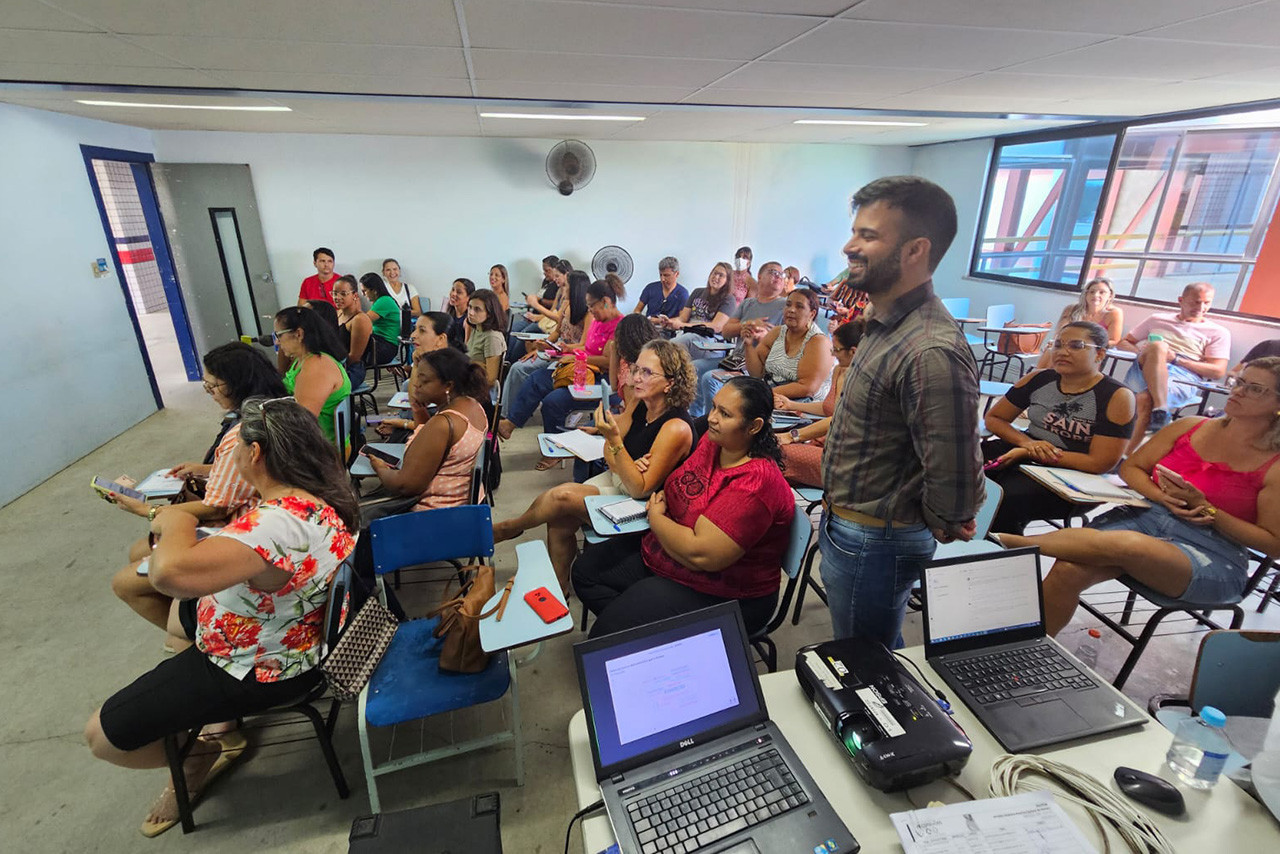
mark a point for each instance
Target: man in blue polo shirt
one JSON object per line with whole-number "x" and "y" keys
{"x": 665, "y": 297}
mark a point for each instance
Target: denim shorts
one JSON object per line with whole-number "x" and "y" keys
{"x": 1219, "y": 567}
{"x": 1179, "y": 395}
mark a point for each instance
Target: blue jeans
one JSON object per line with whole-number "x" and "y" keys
{"x": 707, "y": 385}
{"x": 868, "y": 572}
{"x": 516, "y": 378}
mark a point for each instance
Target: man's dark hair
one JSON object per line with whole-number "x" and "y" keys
{"x": 550, "y": 261}
{"x": 927, "y": 210}
{"x": 323, "y": 250}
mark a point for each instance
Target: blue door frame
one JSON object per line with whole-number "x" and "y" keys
{"x": 160, "y": 247}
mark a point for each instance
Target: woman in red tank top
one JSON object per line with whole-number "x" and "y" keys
{"x": 1222, "y": 499}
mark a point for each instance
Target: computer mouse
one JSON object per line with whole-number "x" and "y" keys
{"x": 1150, "y": 790}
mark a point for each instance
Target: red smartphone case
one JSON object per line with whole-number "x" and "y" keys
{"x": 545, "y": 605}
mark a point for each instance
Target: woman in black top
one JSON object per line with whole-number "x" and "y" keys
{"x": 1080, "y": 419}
{"x": 643, "y": 445}
{"x": 456, "y": 307}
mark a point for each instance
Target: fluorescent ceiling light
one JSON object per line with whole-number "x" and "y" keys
{"x": 562, "y": 118}
{"x": 884, "y": 123}
{"x": 265, "y": 109}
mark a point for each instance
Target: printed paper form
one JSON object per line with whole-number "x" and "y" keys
{"x": 1030, "y": 823}
{"x": 584, "y": 446}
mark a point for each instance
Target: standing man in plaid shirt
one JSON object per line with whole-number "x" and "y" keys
{"x": 901, "y": 467}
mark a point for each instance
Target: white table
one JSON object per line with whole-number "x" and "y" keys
{"x": 520, "y": 625}
{"x": 588, "y": 392}
{"x": 1017, "y": 330}
{"x": 552, "y": 451}
{"x": 1223, "y": 819}
{"x": 602, "y": 526}
{"x": 399, "y": 400}
{"x": 363, "y": 468}
{"x": 530, "y": 336}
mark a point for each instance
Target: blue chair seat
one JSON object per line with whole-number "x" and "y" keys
{"x": 363, "y": 388}
{"x": 409, "y": 684}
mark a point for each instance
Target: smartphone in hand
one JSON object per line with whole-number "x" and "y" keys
{"x": 1172, "y": 476}
{"x": 374, "y": 453}
{"x": 105, "y": 487}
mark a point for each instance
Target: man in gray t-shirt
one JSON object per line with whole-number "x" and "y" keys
{"x": 763, "y": 311}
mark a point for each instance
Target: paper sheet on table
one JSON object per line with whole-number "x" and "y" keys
{"x": 584, "y": 446}
{"x": 159, "y": 484}
{"x": 1083, "y": 486}
{"x": 1030, "y": 823}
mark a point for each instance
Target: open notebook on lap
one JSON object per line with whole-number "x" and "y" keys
{"x": 984, "y": 634}
{"x": 685, "y": 754}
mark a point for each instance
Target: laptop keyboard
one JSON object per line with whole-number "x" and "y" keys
{"x": 710, "y": 807}
{"x": 1014, "y": 673}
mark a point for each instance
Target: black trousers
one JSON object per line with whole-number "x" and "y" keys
{"x": 613, "y": 583}
{"x": 1025, "y": 500}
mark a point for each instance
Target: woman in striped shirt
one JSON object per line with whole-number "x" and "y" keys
{"x": 233, "y": 373}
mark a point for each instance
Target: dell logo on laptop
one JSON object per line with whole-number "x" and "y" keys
{"x": 686, "y": 742}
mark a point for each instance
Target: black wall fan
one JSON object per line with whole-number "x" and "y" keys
{"x": 570, "y": 166}
{"x": 612, "y": 259}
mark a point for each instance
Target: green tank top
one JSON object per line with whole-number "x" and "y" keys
{"x": 338, "y": 395}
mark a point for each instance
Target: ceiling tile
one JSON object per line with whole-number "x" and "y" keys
{"x": 927, "y": 46}
{"x": 629, "y": 30}
{"x": 420, "y": 22}
{"x": 1158, "y": 59}
{"x": 1256, "y": 25}
{"x": 34, "y": 15}
{"x": 85, "y": 48}
{"x": 814, "y": 77}
{"x": 793, "y": 98}
{"x": 975, "y": 104}
{"x": 824, "y": 8}
{"x": 1005, "y": 84}
{"x": 372, "y": 84}
{"x": 581, "y": 91}
{"x": 298, "y": 56}
{"x": 1096, "y": 16}
{"x": 549, "y": 67}
{"x": 49, "y": 72}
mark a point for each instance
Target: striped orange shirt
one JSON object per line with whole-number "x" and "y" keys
{"x": 225, "y": 487}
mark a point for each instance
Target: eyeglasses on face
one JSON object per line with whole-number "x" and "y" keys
{"x": 1254, "y": 390}
{"x": 276, "y": 336}
{"x": 211, "y": 387}
{"x": 1075, "y": 344}
{"x": 644, "y": 374}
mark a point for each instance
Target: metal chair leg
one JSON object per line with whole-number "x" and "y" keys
{"x": 177, "y": 776}
{"x": 326, "y": 746}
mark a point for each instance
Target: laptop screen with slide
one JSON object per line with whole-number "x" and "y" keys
{"x": 983, "y": 600}
{"x": 661, "y": 688}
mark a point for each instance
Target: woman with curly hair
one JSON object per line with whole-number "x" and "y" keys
{"x": 717, "y": 530}
{"x": 643, "y": 444}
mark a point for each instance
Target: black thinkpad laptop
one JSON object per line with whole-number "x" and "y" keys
{"x": 984, "y": 634}
{"x": 684, "y": 750}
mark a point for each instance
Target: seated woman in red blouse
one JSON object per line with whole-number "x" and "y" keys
{"x": 718, "y": 529}
{"x": 253, "y": 600}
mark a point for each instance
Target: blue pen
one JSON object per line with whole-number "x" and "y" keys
{"x": 1067, "y": 484}
{"x": 616, "y": 528}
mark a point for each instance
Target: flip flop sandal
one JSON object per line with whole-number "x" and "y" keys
{"x": 231, "y": 747}
{"x": 548, "y": 463}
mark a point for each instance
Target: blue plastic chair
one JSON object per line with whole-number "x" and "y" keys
{"x": 408, "y": 684}
{"x": 792, "y": 560}
{"x": 959, "y": 307}
{"x": 986, "y": 515}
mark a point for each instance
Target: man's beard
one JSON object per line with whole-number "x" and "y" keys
{"x": 879, "y": 277}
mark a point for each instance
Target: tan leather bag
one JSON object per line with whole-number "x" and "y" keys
{"x": 1022, "y": 342}
{"x": 460, "y": 616}
{"x": 562, "y": 377}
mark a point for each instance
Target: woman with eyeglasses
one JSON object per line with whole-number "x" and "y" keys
{"x": 354, "y": 327}
{"x": 1214, "y": 490}
{"x": 643, "y": 444}
{"x": 1080, "y": 418}
{"x": 315, "y": 377}
{"x": 718, "y": 528}
{"x": 233, "y": 373}
{"x": 1096, "y": 306}
{"x": 802, "y": 446}
{"x": 251, "y": 597}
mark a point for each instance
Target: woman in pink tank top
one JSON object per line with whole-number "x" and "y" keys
{"x": 1214, "y": 490}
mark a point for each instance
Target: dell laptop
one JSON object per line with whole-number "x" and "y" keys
{"x": 685, "y": 754}
{"x": 984, "y": 634}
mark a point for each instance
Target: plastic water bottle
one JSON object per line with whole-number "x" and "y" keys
{"x": 580, "y": 371}
{"x": 1087, "y": 652}
{"x": 1200, "y": 749}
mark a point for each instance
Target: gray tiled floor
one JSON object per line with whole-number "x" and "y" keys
{"x": 69, "y": 644}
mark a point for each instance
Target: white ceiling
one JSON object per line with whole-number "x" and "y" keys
{"x": 740, "y": 70}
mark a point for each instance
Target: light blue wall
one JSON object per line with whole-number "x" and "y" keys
{"x": 73, "y": 372}
{"x": 449, "y": 207}
{"x": 961, "y": 169}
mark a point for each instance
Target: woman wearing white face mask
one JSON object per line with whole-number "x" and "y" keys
{"x": 744, "y": 284}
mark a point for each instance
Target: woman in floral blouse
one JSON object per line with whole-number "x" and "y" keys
{"x": 251, "y": 597}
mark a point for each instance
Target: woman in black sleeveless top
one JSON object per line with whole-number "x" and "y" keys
{"x": 643, "y": 445}
{"x": 1079, "y": 419}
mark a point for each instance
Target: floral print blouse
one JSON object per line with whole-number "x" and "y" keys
{"x": 276, "y": 635}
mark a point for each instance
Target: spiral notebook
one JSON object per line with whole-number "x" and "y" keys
{"x": 622, "y": 512}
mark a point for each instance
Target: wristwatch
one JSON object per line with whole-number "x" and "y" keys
{"x": 794, "y": 432}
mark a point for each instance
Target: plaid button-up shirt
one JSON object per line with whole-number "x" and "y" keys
{"x": 903, "y": 443}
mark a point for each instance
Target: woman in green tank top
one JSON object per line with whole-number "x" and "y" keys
{"x": 315, "y": 377}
